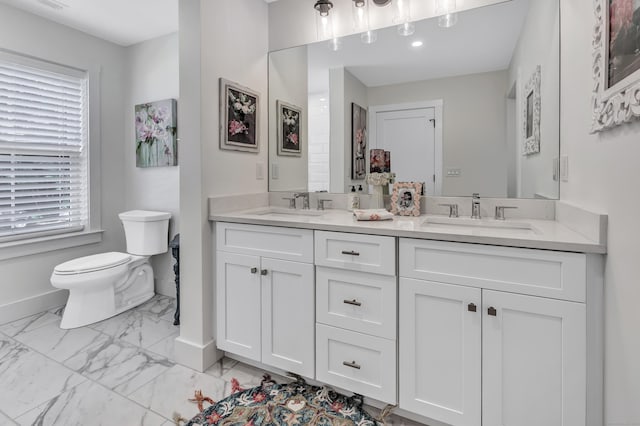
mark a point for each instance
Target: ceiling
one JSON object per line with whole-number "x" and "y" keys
{"x": 124, "y": 22}
{"x": 483, "y": 40}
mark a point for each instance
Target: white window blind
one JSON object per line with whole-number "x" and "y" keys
{"x": 43, "y": 149}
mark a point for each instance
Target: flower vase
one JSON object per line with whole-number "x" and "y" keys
{"x": 377, "y": 201}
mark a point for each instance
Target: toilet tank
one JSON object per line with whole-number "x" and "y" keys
{"x": 147, "y": 232}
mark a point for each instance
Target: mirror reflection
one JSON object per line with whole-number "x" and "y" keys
{"x": 470, "y": 108}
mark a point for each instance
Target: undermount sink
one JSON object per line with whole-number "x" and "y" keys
{"x": 468, "y": 225}
{"x": 283, "y": 211}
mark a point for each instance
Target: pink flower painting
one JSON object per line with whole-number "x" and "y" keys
{"x": 156, "y": 132}
{"x": 239, "y": 117}
{"x": 624, "y": 39}
{"x": 289, "y": 117}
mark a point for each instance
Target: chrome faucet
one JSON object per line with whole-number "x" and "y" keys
{"x": 305, "y": 199}
{"x": 475, "y": 206}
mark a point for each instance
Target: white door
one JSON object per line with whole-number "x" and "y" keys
{"x": 238, "y": 304}
{"x": 440, "y": 349}
{"x": 534, "y": 361}
{"x": 409, "y": 134}
{"x": 288, "y": 316}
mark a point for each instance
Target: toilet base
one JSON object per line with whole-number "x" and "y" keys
{"x": 91, "y": 305}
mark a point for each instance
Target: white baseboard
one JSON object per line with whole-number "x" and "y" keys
{"x": 32, "y": 305}
{"x": 195, "y": 356}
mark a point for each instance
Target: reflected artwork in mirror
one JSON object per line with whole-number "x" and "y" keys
{"x": 473, "y": 108}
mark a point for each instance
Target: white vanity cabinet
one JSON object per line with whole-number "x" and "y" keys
{"x": 265, "y": 295}
{"x": 492, "y": 335}
{"x": 356, "y": 288}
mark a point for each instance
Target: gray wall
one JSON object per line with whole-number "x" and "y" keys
{"x": 28, "y": 277}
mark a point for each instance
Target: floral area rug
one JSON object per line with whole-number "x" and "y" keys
{"x": 291, "y": 404}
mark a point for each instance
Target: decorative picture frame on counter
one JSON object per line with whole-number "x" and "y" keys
{"x": 239, "y": 117}
{"x": 531, "y": 103}
{"x": 358, "y": 142}
{"x": 289, "y": 124}
{"x": 616, "y": 64}
{"x": 405, "y": 200}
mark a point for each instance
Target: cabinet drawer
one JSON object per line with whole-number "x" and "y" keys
{"x": 367, "y": 253}
{"x": 356, "y": 301}
{"x": 356, "y": 362}
{"x": 553, "y": 274}
{"x": 269, "y": 241}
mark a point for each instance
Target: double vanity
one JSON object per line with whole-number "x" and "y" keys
{"x": 456, "y": 321}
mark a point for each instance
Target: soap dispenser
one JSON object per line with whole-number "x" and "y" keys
{"x": 354, "y": 199}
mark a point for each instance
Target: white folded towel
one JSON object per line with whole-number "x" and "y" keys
{"x": 373, "y": 214}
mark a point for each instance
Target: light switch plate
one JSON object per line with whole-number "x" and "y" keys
{"x": 454, "y": 172}
{"x": 275, "y": 171}
{"x": 259, "y": 171}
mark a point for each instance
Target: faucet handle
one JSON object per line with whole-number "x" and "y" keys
{"x": 500, "y": 211}
{"x": 453, "y": 209}
{"x": 321, "y": 203}
{"x": 292, "y": 202}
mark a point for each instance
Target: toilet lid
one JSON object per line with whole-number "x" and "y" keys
{"x": 91, "y": 263}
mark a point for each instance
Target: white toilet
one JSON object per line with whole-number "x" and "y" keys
{"x": 103, "y": 285}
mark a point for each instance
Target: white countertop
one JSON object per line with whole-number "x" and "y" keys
{"x": 548, "y": 235}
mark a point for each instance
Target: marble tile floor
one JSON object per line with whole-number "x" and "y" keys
{"x": 120, "y": 371}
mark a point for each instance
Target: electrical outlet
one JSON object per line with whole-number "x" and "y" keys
{"x": 259, "y": 171}
{"x": 275, "y": 171}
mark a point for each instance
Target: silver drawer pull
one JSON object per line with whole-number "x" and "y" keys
{"x": 353, "y": 302}
{"x": 351, "y": 253}
{"x": 351, "y": 364}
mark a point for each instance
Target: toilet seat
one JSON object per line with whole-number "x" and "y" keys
{"x": 96, "y": 262}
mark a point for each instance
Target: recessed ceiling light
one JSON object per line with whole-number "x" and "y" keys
{"x": 417, "y": 43}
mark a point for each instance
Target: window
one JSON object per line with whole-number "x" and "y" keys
{"x": 43, "y": 149}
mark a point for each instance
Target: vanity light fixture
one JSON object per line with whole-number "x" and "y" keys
{"x": 360, "y": 9}
{"x": 446, "y": 11}
{"x": 403, "y": 17}
{"x": 324, "y": 24}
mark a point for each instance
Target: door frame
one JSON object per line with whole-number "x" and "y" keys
{"x": 437, "y": 105}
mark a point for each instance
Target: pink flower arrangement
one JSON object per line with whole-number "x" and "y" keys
{"x": 621, "y": 16}
{"x": 237, "y": 127}
{"x": 293, "y": 138}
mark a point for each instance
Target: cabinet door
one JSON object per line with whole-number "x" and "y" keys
{"x": 440, "y": 349}
{"x": 534, "y": 361}
{"x": 288, "y": 316}
{"x": 238, "y": 304}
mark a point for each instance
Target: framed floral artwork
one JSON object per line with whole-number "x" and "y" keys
{"x": 289, "y": 123}
{"x": 616, "y": 63}
{"x": 405, "y": 200}
{"x": 239, "y": 117}
{"x": 156, "y": 134}
{"x": 358, "y": 142}
{"x": 531, "y": 103}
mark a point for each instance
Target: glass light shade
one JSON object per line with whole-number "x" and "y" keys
{"x": 324, "y": 25}
{"x": 335, "y": 44}
{"x": 360, "y": 10}
{"x": 448, "y": 20}
{"x": 446, "y": 9}
{"x": 369, "y": 37}
{"x": 406, "y": 29}
{"x": 402, "y": 17}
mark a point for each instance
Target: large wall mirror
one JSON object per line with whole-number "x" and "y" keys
{"x": 470, "y": 108}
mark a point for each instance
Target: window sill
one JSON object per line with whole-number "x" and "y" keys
{"x": 37, "y": 245}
